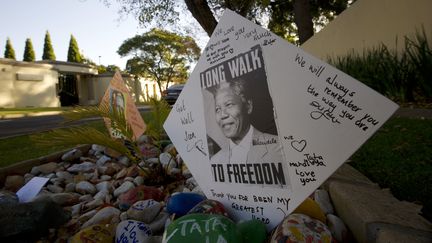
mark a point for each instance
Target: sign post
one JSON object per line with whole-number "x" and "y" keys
{"x": 261, "y": 124}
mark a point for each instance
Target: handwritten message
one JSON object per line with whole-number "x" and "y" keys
{"x": 335, "y": 102}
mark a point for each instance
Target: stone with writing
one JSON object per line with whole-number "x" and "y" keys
{"x": 139, "y": 193}
{"x": 133, "y": 231}
{"x": 99, "y": 233}
{"x": 144, "y": 211}
{"x": 301, "y": 228}
{"x": 181, "y": 202}
{"x": 211, "y": 228}
{"x": 253, "y": 231}
{"x": 209, "y": 206}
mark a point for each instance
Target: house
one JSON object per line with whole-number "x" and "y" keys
{"x": 58, "y": 83}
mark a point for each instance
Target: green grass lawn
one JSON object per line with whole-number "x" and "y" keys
{"x": 20, "y": 148}
{"x": 399, "y": 157}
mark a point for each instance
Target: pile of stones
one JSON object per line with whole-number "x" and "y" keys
{"x": 100, "y": 196}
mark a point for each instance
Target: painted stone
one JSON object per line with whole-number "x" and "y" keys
{"x": 139, "y": 193}
{"x": 144, "y": 211}
{"x": 99, "y": 233}
{"x": 180, "y": 203}
{"x": 323, "y": 199}
{"x": 202, "y": 228}
{"x": 301, "y": 228}
{"x": 253, "y": 231}
{"x": 312, "y": 209}
{"x": 337, "y": 228}
{"x": 209, "y": 206}
{"x": 132, "y": 231}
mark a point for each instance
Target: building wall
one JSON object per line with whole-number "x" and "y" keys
{"x": 24, "y": 84}
{"x": 368, "y": 23}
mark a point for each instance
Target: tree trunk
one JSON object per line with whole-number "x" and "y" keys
{"x": 201, "y": 11}
{"x": 303, "y": 20}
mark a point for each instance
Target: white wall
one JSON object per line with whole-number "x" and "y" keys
{"x": 368, "y": 23}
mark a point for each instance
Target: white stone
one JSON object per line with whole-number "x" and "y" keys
{"x": 165, "y": 159}
{"x": 104, "y": 186}
{"x": 70, "y": 187}
{"x": 123, "y": 160}
{"x": 337, "y": 228}
{"x": 102, "y": 160}
{"x": 76, "y": 209}
{"x": 126, "y": 186}
{"x": 86, "y": 216}
{"x": 55, "y": 189}
{"x": 68, "y": 177}
{"x": 121, "y": 174}
{"x": 144, "y": 211}
{"x": 85, "y": 187}
{"x": 158, "y": 224}
{"x": 97, "y": 147}
{"x": 102, "y": 195}
{"x": 132, "y": 231}
{"x": 72, "y": 155}
{"x": 83, "y": 167}
{"x": 94, "y": 204}
{"x": 322, "y": 198}
{"x": 86, "y": 198}
{"x": 106, "y": 215}
{"x": 105, "y": 178}
{"x": 139, "y": 180}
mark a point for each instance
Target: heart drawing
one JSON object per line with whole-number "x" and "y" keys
{"x": 299, "y": 145}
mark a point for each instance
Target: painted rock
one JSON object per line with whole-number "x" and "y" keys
{"x": 144, "y": 211}
{"x": 209, "y": 206}
{"x": 338, "y": 228}
{"x": 202, "y": 228}
{"x": 253, "y": 231}
{"x": 301, "y": 228}
{"x": 312, "y": 209}
{"x": 139, "y": 193}
{"x": 99, "y": 233}
{"x": 132, "y": 231}
{"x": 180, "y": 203}
{"x": 322, "y": 198}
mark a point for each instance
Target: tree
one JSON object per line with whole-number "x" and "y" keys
{"x": 297, "y": 16}
{"x": 9, "y": 51}
{"x": 73, "y": 51}
{"x": 160, "y": 55}
{"x": 48, "y": 51}
{"x": 29, "y": 54}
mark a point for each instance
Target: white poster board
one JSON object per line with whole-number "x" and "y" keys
{"x": 261, "y": 123}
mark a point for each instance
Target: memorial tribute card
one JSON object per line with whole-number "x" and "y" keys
{"x": 117, "y": 97}
{"x": 261, "y": 123}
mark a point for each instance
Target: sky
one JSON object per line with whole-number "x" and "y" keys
{"x": 98, "y": 29}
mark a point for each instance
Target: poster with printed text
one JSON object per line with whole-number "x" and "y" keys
{"x": 261, "y": 124}
{"x": 117, "y": 98}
